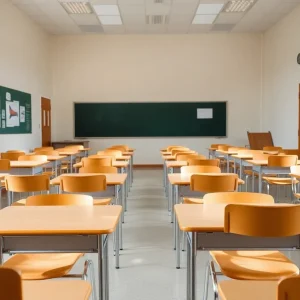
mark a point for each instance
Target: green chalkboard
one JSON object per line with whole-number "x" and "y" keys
{"x": 150, "y": 119}
{"x": 15, "y": 111}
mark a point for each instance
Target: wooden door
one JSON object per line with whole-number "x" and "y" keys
{"x": 46, "y": 121}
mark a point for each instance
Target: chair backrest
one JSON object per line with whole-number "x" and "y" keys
{"x": 99, "y": 161}
{"x": 10, "y": 284}
{"x": 82, "y": 184}
{"x": 199, "y": 156}
{"x": 199, "y": 169}
{"x": 120, "y": 148}
{"x": 272, "y": 148}
{"x": 47, "y": 152}
{"x": 282, "y": 160}
{"x": 11, "y": 155}
{"x": 262, "y": 221}
{"x": 216, "y": 146}
{"x": 4, "y": 165}
{"x": 43, "y": 149}
{"x": 223, "y": 147}
{"x": 289, "y": 288}
{"x": 292, "y": 152}
{"x": 126, "y": 147}
{"x": 15, "y": 151}
{"x": 67, "y": 149}
{"x": 27, "y": 183}
{"x": 203, "y": 162}
{"x": 181, "y": 150}
{"x": 212, "y": 183}
{"x": 40, "y": 158}
{"x": 75, "y": 147}
{"x": 170, "y": 148}
{"x": 237, "y": 197}
{"x": 98, "y": 169}
{"x": 59, "y": 199}
{"x": 115, "y": 153}
{"x": 185, "y": 156}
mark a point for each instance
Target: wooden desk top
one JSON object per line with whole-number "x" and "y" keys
{"x": 233, "y": 289}
{"x": 212, "y": 149}
{"x": 227, "y": 152}
{"x": 243, "y": 156}
{"x": 68, "y": 153}
{"x": 27, "y": 163}
{"x": 85, "y": 149}
{"x": 128, "y": 153}
{"x": 176, "y": 164}
{"x": 58, "y": 220}
{"x": 204, "y": 217}
{"x": 131, "y": 149}
{"x": 2, "y": 175}
{"x": 123, "y": 157}
{"x": 117, "y": 164}
{"x": 55, "y": 157}
{"x": 56, "y": 289}
{"x": 291, "y": 174}
{"x": 261, "y": 162}
{"x": 111, "y": 179}
{"x": 168, "y": 157}
{"x": 184, "y": 179}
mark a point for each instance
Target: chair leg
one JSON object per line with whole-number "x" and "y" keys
{"x": 89, "y": 268}
{"x": 214, "y": 280}
{"x": 184, "y": 241}
{"x": 206, "y": 283}
{"x": 246, "y": 181}
{"x": 268, "y": 188}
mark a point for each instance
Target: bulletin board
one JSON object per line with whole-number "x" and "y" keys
{"x": 15, "y": 112}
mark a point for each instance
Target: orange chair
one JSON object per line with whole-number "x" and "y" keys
{"x": 255, "y": 265}
{"x": 286, "y": 289}
{"x": 56, "y": 265}
{"x": 85, "y": 184}
{"x": 4, "y": 168}
{"x": 47, "y": 152}
{"x": 203, "y": 162}
{"x": 75, "y": 147}
{"x": 43, "y": 149}
{"x": 96, "y": 161}
{"x": 185, "y": 156}
{"x": 237, "y": 198}
{"x": 199, "y": 169}
{"x": 211, "y": 183}
{"x": 272, "y": 148}
{"x": 125, "y": 147}
{"x": 280, "y": 161}
{"x": 98, "y": 169}
{"x": 114, "y": 153}
{"x": 25, "y": 184}
{"x": 13, "y": 288}
{"x": 12, "y": 155}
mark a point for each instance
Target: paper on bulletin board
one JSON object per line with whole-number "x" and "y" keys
{"x": 204, "y": 113}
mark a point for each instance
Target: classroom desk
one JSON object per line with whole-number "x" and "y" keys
{"x": 56, "y": 289}
{"x": 26, "y": 167}
{"x": 165, "y": 171}
{"x": 131, "y": 154}
{"x": 238, "y": 159}
{"x": 180, "y": 184}
{"x": 115, "y": 183}
{"x": 204, "y": 228}
{"x": 211, "y": 152}
{"x": 225, "y": 155}
{"x": 250, "y": 290}
{"x": 261, "y": 167}
{"x": 84, "y": 152}
{"x": 82, "y": 229}
{"x": 55, "y": 162}
{"x": 71, "y": 155}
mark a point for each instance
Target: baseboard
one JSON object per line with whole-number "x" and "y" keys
{"x": 158, "y": 166}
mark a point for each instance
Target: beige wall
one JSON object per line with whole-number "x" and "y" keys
{"x": 25, "y": 66}
{"x": 215, "y": 67}
{"x": 281, "y": 78}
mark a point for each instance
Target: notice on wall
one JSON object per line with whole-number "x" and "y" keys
{"x": 204, "y": 113}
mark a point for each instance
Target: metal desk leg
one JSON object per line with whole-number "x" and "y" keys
{"x": 253, "y": 179}
{"x": 175, "y": 199}
{"x": 227, "y": 160}
{"x": 241, "y": 169}
{"x": 123, "y": 197}
{"x": 177, "y": 234}
{"x": 170, "y": 198}
{"x": 1, "y": 250}
{"x": 100, "y": 268}
{"x": 193, "y": 265}
{"x": 119, "y": 236}
{"x": 106, "y": 269}
{"x": 259, "y": 180}
{"x": 188, "y": 267}
{"x": 117, "y": 246}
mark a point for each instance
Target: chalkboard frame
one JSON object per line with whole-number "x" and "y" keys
{"x": 151, "y": 137}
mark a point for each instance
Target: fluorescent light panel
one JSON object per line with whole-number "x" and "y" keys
{"x": 209, "y": 9}
{"x": 110, "y": 20}
{"x": 238, "y": 5}
{"x": 106, "y": 10}
{"x": 204, "y": 19}
{"x": 77, "y": 7}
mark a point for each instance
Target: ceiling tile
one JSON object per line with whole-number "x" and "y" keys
{"x": 88, "y": 19}
{"x": 134, "y": 19}
{"x": 184, "y": 8}
{"x": 180, "y": 19}
{"x": 132, "y": 9}
{"x": 229, "y": 18}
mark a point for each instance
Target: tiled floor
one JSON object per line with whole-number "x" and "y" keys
{"x": 148, "y": 260}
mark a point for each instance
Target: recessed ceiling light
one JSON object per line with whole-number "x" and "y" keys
{"x": 77, "y": 7}
{"x": 209, "y": 9}
{"x": 106, "y": 10}
{"x": 110, "y": 20}
{"x": 238, "y": 5}
{"x": 204, "y": 19}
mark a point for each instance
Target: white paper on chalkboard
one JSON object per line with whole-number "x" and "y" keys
{"x": 204, "y": 113}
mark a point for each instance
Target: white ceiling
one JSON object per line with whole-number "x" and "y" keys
{"x": 179, "y": 16}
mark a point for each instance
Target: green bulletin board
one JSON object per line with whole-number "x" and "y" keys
{"x": 15, "y": 112}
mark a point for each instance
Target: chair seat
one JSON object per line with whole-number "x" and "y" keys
{"x": 102, "y": 201}
{"x": 192, "y": 201}
{"x": 97, "y": 201}
{"x": 42, "y": 266}
{"x": 254, "y": 265}
{"x": 280, "y": 180}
